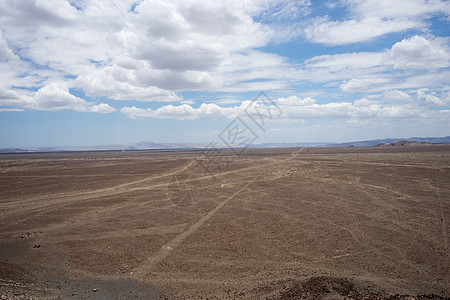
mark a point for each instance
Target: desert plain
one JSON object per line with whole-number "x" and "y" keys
{"x": 292, "y": 223}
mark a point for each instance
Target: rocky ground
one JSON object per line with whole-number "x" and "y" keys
{"x": 306, "y": 223}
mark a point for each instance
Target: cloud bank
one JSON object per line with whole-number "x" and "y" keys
{"x": 153, "y": 50}
{"x": 296, "y": 108}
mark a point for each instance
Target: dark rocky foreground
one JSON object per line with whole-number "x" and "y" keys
{"x": 324, "y": 287}
{"x": 20, "y": 278}
{"x": 16, "y": 283}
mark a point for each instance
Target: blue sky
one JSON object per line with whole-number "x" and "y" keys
{"x": 113, "y": 72}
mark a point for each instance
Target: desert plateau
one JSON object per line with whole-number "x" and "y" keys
{"x": 291, "y": 223}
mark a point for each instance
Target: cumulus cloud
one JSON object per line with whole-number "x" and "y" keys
{"x": 153, "y": 50}
{"x": 295, "y": 101}
{"x": 118, "y": 84}
{"x": 292, "y": 107}
{"x": 418, "y": 52}
{"x": 145, "y": 51}
{"x": 427, "y": 57}
{"x": 51, "y": 97}
{"x": 13, "y": 99}
{"x": 181, "y": 112}
{"x": 430, "y": 98}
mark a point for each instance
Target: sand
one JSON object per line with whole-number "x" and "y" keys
{"x": 294, "y": 223}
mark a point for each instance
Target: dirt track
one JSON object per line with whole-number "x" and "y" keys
{"x": 270, "y": 223}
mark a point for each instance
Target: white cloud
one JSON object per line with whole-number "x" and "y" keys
{"x": 159, "y": 49}
{"x": 5, "y": 51}
{"x": 225, "y": 101}
{"x": 433, "y": 80}
{"x": 56, "y": 97}
{"x": 100, "y": 108}
{"x": 284, "y": 17}
{"x": 324, "y": 31}
{"x": 282, "y": 11}
{"x": 369, "y": 19}
{"x": 356, "y": 85}
{"x": 426, "y": 59}
{"x": 148, "y": 54}
{"x": 51, "y": 97}
{"x": 431, "y": 98}
{"x": 396, "y": 95}
{"x": 340, "y": 62}
{"x": 397, "y": 9}
{"x": 326, "y": 68}
{"x": 13, "y": 99}
{"x": 295, "y": 108}
{"x": 181, "y": 112}
{"x": 119, "y": 84}
{"x": 418, "y": 52}
{"x": 295, "y": 101}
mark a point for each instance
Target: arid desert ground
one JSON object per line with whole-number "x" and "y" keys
{"x": 297, "y": 223}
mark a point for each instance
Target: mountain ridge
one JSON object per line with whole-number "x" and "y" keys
{"x": 173, "y": 146}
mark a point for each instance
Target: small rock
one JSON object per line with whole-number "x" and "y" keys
{"x": 37, "y": 246}
{"x": 94, "y": 290}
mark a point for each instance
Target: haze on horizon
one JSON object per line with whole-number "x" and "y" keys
{"x": 81, "y": 72}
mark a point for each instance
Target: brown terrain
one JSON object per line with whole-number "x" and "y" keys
{"x": 305, "y": 223}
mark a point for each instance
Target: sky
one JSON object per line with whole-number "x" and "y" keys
{"x": 80, "y": 73}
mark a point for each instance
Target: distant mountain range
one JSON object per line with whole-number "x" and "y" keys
{"x": 370, "y": 143}
{"x": 156, "y": 146}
